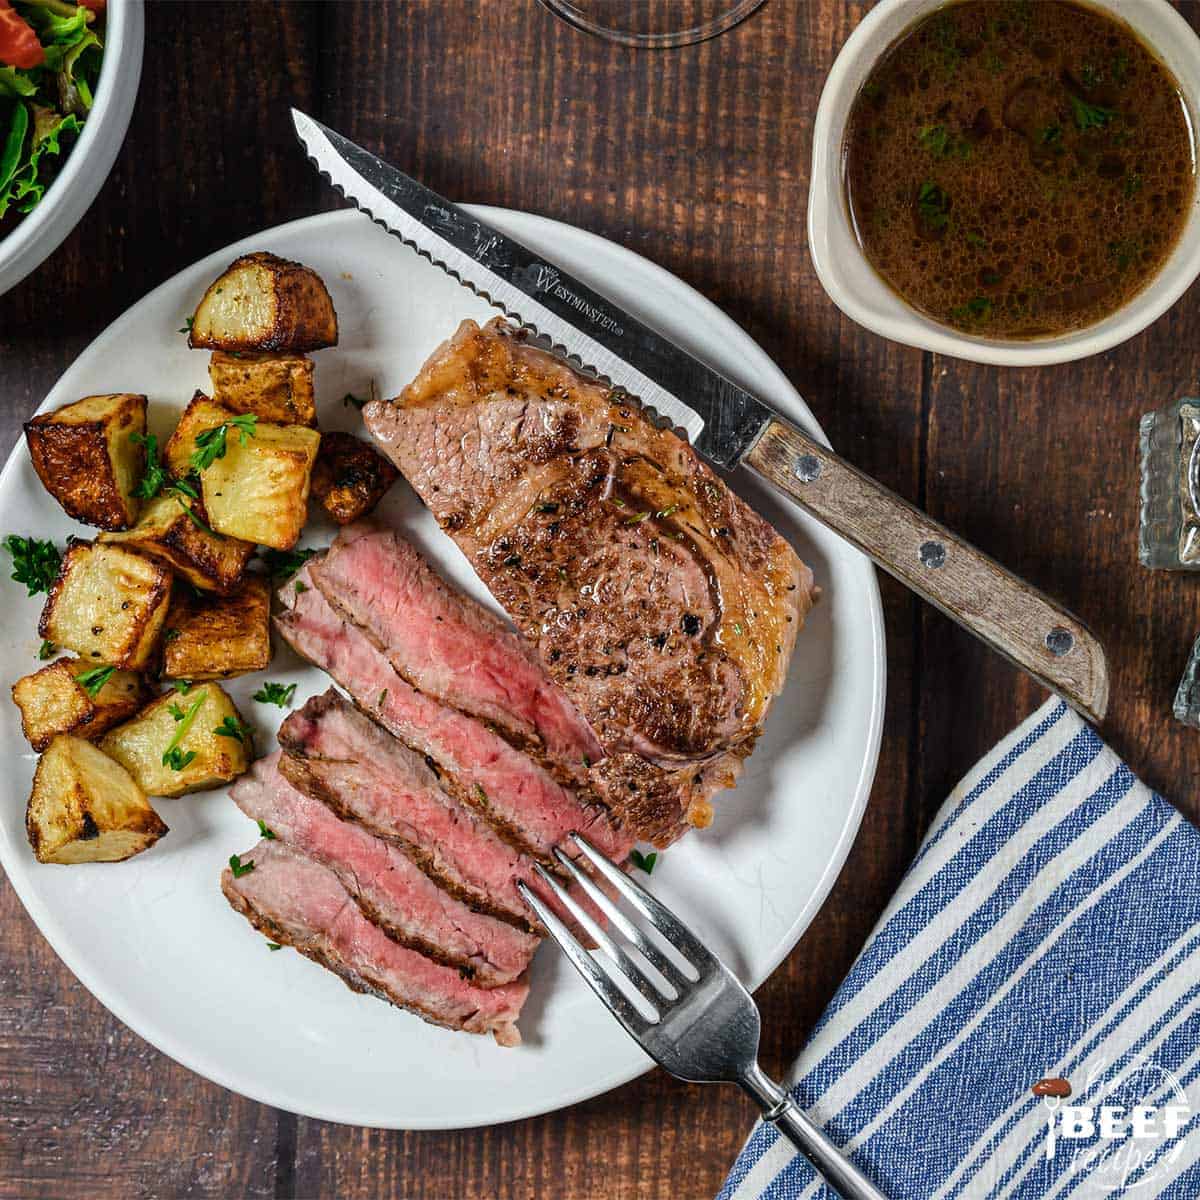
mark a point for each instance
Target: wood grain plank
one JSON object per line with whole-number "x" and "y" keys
{"x": 87, "y": 1109}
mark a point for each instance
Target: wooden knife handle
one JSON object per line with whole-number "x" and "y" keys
{"x": 1019, "y": 621}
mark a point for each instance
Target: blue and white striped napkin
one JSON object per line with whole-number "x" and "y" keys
{"x": 1049, "y": 929}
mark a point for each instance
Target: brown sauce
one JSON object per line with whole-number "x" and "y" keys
{"x": 1018, "y": 168}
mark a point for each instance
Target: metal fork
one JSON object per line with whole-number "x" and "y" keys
{"x": 703, "y": 1029}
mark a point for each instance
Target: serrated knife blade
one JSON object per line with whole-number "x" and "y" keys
{"x": 725, "y": 423}
{"x": 722, "y": 420}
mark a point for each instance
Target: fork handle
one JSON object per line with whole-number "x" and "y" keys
{"x": 781, "y": 1111}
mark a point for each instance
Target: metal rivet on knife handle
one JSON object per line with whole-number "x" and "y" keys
{"x": 1014, "y": 618}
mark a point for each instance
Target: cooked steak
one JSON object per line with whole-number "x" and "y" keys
{"x": 662, "y": 604}
{"x": 449, "y": 647}
{"x": 387, "y": 886}
{"x": 337, "y": 755}
{"x": 297, "y": 902}
{"x": 524, "y": 803}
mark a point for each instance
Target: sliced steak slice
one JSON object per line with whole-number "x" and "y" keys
{"x": 525, "y": 804}
{"x": 662, "y": 604}
{"x": 337, "y": 755}
{"x": 449, "y": 647}
{"x": 297, "y": 902}
{"x": 391, "y": 890}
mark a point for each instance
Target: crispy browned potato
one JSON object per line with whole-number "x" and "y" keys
{"x": 173, "y": 745}
{"x": 54, "y": 701}
{"x": 276, "y": 387}
{"x": 87, "y": 460}
{"x": 349, "y": 477}
{"x": 166, "y": 531}
{"x": 200, "y": 414}
{"x": 263, "y": 302}
{"x": 107, "y": 604}
{"x": 86, "y": 808}
{"x": 259, "y": 490}
{"x": 219, "y": 637}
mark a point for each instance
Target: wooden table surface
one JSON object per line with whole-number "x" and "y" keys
{"x": 697, "y": 158}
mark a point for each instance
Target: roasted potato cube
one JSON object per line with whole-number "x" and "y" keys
{"x": 349, "y": 477}
{"x": 174, "y": 745}
{"x": 259, "y": 490}
{"x": 276, "y": 387}
{"x": 200, "y": 414}
{"x": 166, "y": 531}
{"x": 217, "y": 638}
{"x": 86, "y": 459}
{"x": 107, "y": 604}
{"x": 85, "y": 808}
{"x": 54, "y": 701}
{"x": 263, "y": 302}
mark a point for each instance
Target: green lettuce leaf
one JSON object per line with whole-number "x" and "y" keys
{"x": 53, "y": 29}
{"x": 16, "y": 83}
{"x": 24, "y": 189}
{"x": 10, "y": 153}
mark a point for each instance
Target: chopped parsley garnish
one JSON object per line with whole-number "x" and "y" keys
{"x": 266, "y": 832}
{"x": 211, "y": 443}
{"x": 941, "y": 143}
{"x": 1051, "y": 135}
{"x": 382, "y": 698}
{"x": 169, "y": 635}
{"x": 546, "y": 508}
{"x": 186, "y": 327}
{"x": 283, "y": 564}
{"x": 978, "y": 308}
{"x": 155, "y": 474}
{"x": 638, "y": 519}
{"x": 587, "y": 763}
{"x": 275, "y": 693}
{"x": 47, "y": 650}
{"x": 185, "y": 487}
{"x": 35, "y": 563}
{"x": 272, "y": 945}
{"x": 92, "y": 681}
{"x": 975, "y": 239}
{"x": 933, "y": 205}
{"x": 240, "y": 868}
{"x": 173, "y": 757}
{"x": 231, "y": 727}
{"x": 182, "y": 686}
{"x": 664, "y": 513}
{"x": 644, "y": 862}
{"x": 192, "y": 515}
{"x": 350, "y": 398}
{"x": 1090, "y": 116}
{"x": 480, "y": 794}
{"x": 737, "y": 628}
{"x": 301, "y": 586}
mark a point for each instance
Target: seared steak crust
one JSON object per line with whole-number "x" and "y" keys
{"x": 296, "y": 902}
{"x": 663, "y": 605}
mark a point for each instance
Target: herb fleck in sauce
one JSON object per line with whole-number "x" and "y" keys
{"x": 1017, "y": 169}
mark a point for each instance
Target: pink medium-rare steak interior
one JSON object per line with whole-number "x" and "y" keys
{"x": 660, "y": 602}
{"x": 528, "y": 806}
{"x": 447, "y": 646}
{"x": 336, "y": 753}
{"x": 297, "y": 902}
{"x": 389, "y": 888}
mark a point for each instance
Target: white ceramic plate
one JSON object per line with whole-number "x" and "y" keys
{"x": 153, "y": 938}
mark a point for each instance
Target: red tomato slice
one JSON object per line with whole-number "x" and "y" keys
{"x": 19, "y": 46}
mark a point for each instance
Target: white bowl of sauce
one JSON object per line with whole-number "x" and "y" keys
{"x": 1063, "y": 327}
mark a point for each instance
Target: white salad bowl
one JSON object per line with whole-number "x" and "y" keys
{"x": 861, "y": 293}
{"x": 86, "y": 167}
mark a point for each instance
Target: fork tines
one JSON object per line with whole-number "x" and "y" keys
{"x": 656, "y": 978}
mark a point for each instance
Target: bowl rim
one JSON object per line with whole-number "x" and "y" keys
{"x": 831, "y": 235}
{"x": 122, "y": 34}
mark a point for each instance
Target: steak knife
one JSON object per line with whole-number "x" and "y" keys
{"x": 723, "y": 422}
